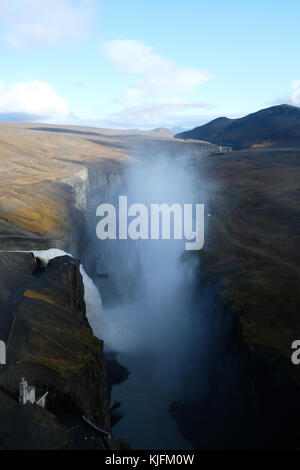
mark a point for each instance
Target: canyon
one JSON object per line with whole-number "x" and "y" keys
{"x": 243, "y": 290}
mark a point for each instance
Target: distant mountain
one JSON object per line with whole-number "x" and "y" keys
{"x": 277, "y": 126}
{"x": 162, "y": 131}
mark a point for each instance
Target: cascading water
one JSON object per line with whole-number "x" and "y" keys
{"x": 93, "y": 305}
{"x": 92, "y": 296}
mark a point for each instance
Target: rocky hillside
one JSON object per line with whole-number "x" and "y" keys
{"x": 278, "y": 126}
{"x": 41, "y": 166}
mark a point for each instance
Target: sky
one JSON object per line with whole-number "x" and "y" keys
{"x": 146, "y": 64}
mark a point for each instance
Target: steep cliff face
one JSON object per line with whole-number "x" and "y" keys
{"x": 52, "y": 345}
{"x": 42, "y": 310}
{"x": 251, "y": 256}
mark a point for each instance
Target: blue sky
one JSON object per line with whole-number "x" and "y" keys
{"x": 129, "y": 64}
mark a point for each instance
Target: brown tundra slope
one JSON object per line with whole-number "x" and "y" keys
{"x": 253, "y": 243}
{"x": 36, "y": 162}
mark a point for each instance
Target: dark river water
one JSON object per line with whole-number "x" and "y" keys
{"x": 146, "y": 423}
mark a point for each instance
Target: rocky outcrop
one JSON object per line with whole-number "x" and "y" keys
{"x": 31, "y": 428}
{"x": 52, "y": 345}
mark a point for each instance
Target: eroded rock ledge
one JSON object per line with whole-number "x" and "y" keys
{"x": 52, "y": 345}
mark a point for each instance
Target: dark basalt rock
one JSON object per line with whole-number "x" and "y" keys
{"x": 30, "y": 427}
{"x": 116, "y": 372}
{"x": 52, "y": 345}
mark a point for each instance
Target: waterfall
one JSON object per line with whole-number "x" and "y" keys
{"x": 93, "y": 305}
{"x": 92, "y": 297}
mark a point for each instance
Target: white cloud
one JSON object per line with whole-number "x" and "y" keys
{"x": 295, "y": 95}
{"x": 31, "y": 23}
{"x": 37, "y": 101}
{"x": 159, "y": 76}
{"x": 33, "y": 100}
{"x": 166, "y": 113}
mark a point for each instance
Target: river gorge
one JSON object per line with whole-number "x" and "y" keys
{"x": 190, "y": 363}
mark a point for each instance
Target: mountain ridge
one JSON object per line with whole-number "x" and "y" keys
{"x": 276, "y": 126}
